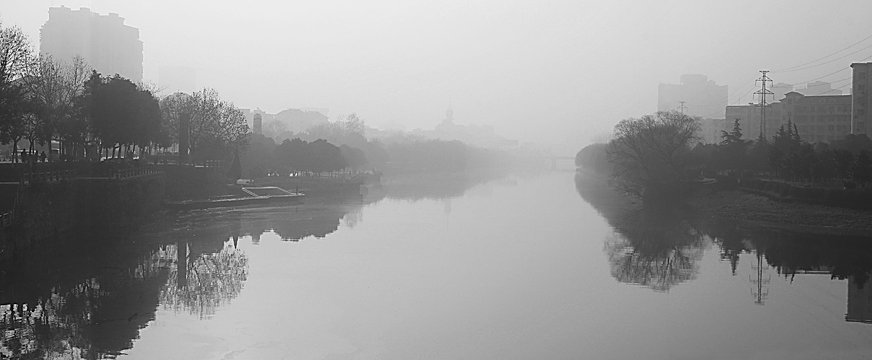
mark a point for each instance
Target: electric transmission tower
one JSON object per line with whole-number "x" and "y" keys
{"x": 761, "y": 285}
{"x": 763, "y": 92}
{"x": 681, "y": 107}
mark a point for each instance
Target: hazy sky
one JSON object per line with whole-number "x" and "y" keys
{"x": 561, "y": 71}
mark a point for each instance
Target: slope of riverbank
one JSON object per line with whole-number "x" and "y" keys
{"x": 752, "y": 210}
{"x": 792, "y": 216}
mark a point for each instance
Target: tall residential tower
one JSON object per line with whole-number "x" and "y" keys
{"x": 701, "y": 96}
{"x": 109, "y": 46}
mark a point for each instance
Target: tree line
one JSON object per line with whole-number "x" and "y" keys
{"x": 45, "y": 100}
{"x": 656, "y": 153}
{"x": 342, "y": 146}
{"x": 788, "y": 157}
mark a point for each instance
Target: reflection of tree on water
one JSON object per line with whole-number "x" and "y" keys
{"x": 202, "y": 282}
{"x": 64, "y": 317}
{"x": 653, "y": 246}
{"x": 87, "y": 296}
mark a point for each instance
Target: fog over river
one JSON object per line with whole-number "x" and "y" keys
{"x": 546, "y": 266}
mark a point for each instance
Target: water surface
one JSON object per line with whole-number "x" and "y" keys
{"x": 542, "y": 266}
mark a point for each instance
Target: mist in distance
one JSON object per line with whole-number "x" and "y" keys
{"x": 558, "y": 73}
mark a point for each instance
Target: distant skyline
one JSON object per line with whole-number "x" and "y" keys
{"x": 563, "y": 71}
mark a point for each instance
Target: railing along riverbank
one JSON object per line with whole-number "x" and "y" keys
{"x": 69, "y": 178}
{"x": 47, "y": 176}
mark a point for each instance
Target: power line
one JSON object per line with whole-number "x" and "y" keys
{"x": 840, "y": 87}
{"x": 814, "y": 61}
{"x": 821, "y": 77}
{"x": 824, "y": 63}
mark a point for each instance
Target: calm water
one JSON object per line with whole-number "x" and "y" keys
{"x": 538, "y": 267}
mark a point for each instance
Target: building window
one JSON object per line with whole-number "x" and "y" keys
{"x": 861, "y": 87}
{"x": 862, "y": 74}
{"x": 831, "y": 128}
{"x": 861, "y": 111}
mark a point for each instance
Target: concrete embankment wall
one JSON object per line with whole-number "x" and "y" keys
{"x": 45, "y": 209}
{"x": 186, "y": 182}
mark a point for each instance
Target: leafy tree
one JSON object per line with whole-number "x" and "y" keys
{"x": 733, "y": 150}
{"x": 235, "y": 171}
{"x": 776, "y": 159}
{"x": 258, "y": 156}
{"x": 862, "y": 169}
{"x": 758, "y": 155}
{"x": 786, "y": 140}
{"x": 354, "y": 157}
{"x": 327, "y": 157}
{"x": 843, "y": 162}
{"x": 114, "y": 111}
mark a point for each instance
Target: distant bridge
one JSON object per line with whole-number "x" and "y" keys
{"x": 554, "y": 160}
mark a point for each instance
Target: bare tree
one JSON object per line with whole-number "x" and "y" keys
{"x": 16, "y": 57}
{"x": 216, "y": 128}
{"x": 652, "y": 152}
{"x": 54, "y": 87}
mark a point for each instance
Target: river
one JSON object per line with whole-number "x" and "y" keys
{"x": 544, "y": 266}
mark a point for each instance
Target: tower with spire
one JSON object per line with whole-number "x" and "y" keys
{"x": 449, "y": 114}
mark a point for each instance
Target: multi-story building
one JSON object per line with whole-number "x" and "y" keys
{"x": 750, "y": 119}
{"x": 860, "y": 97}
{"x": 710, "y": 130}
{"x": 109, "y": 46}
{"x": 819, "y": 118}
{"x": 257, "y": 128}
{"x": 819, "y": 88}
{"x": 702, "y": 97}
{"x": 778, "y": 92}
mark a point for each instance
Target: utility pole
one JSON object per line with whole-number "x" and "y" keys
{"x": 763, "y": 92}
{"x": 681, "y": 107}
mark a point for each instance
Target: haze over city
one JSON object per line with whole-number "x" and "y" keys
{"x": 557, "y": 72}
{"x": 438, "y": 180}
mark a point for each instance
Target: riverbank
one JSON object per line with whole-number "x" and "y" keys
{"x": 753, "y": 210}
{"x": 762, "y": 211}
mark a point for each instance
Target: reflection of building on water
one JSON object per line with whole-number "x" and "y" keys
{"x": 859, "y": 302}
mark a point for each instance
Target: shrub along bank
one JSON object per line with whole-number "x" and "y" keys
{"x": 847, "y": 198}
